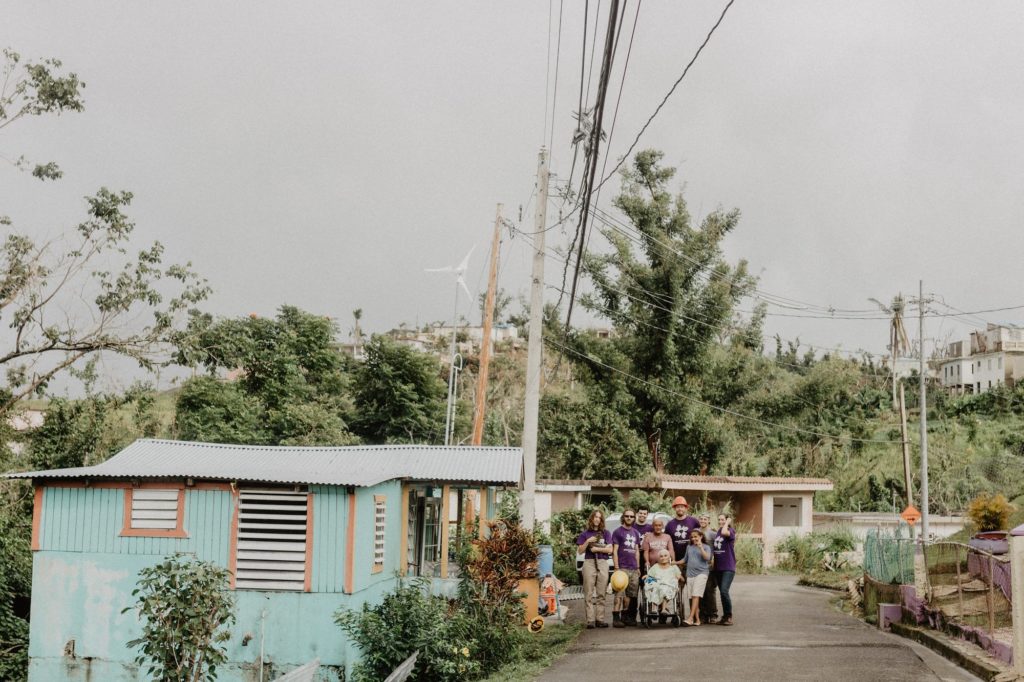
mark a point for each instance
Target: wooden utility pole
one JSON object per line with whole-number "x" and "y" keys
{"x": 907, "y": 476}
{"x": 485, "y": 343}
{"x": 531, "y": 411}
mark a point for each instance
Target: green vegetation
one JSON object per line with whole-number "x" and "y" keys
{"x": 539, "y": 651}
{"x": 186, "y": 611}
{"x": 990, "y": 512}
{"x": 818, "y": 551}
{"x": 477, "y": 634}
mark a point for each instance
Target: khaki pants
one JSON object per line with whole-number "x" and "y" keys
{"x": 595, "y": 584}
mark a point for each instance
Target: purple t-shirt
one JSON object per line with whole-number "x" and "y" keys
{"x": 602, "y": 535}
{"x": 724, "y": 549}
{"x": 680, "y": 532}
{"x": 628, "y": 542}
{"x": 643, "y": 528}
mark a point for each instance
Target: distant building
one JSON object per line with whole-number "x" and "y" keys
{"x": 772, "y": 507}
{"x": 991, "y": 358}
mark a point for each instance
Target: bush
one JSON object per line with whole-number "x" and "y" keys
{"x": 465, "y": 639}
{"x": 183, "y": 604}
{"x": 749, "y": 555}
{"x": 410, "y": 620}
{"x": 816, "y": 551}
{"x": 990, "y": 512}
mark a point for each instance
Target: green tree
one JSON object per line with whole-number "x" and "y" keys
{"x": 670, "y": 300}
{"x": 399, "y": 395}
{"x": 292, "y": 386}
{"x": 43, "y": 284}
{"x": 185, "y": 607}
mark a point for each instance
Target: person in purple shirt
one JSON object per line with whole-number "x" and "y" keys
{"x": 596, "y": 544}
{"x": 643, "y": 528}
{"x": 679, "y": 528}
{"x": 626, "y": 557}
{"x": 641, "y": 521}
{"x": 724, "y": 550}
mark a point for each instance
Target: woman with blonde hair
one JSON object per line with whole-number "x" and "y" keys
{"x": 596, "y": 544}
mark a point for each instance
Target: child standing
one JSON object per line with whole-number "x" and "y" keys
{"x": 698, "y": 559}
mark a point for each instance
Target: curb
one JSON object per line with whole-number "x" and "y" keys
{"x": 976, "y": 665}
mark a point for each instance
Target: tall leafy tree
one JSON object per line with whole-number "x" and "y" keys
{"x": 43, "y": 284}
{"x": 292, "y": 381}
{"x": 670, "y": 296}
{"x": 399, "y": 395}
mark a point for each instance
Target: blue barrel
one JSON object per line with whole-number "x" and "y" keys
{"x": 546, "y": 560}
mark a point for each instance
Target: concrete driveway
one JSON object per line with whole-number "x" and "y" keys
{"x": 782, "y": 632}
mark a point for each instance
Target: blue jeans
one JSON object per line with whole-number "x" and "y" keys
{"x": 724, "y": 580}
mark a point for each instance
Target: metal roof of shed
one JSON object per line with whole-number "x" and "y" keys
{"x": 360, "y": 465}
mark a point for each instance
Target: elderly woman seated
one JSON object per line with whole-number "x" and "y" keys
{"x": 661, "y": 587}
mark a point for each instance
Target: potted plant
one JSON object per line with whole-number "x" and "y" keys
{"x": 990, "y": 514}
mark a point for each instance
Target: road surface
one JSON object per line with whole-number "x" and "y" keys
{"x": 782, "y": 632}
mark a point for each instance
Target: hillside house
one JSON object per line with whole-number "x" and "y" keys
{"x": 304, "y": 530}
{"x": 991, "y": 358}
{"x": 772, "y": 507}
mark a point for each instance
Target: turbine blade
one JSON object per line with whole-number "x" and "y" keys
{"x": 462, "y": 283}
{"x": 465, "y": 261}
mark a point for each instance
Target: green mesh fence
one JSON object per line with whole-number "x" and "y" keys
{"x": 889, "y": 557}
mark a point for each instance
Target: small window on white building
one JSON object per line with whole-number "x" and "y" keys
{"x": 272, "y": 549}
{"x": 786, "y": 512}
{"x": 1000, "y": 362}
{"x": 154, "y": 512}
{"x": 990, "y": 363}
{"x": 379, "y": 531}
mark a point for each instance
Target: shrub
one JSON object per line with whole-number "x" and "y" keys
{"x": 816, "y": 551}
{"x": 409, "y": 620}
{"x": 183, "y": 604}
{"x": 749, "y": 555}
{"x": 990, "y": 512}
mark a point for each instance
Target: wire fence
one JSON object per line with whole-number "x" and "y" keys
{"x": 889, "y": 557}
{"x": 969, "y": 586}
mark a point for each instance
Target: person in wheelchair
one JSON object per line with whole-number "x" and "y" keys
{"x": 661, "y": 587}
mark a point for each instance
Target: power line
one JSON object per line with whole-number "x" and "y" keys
{"x": 679, "y": 80}
{"x": 724, "y": 410}
{"x": 554, "y": 92}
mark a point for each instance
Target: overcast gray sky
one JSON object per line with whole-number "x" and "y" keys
{"x": 324, "y": 153}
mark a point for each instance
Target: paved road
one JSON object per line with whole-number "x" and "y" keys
{"x": 782, "y": 632}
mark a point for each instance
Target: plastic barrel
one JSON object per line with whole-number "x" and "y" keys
{"x": 546, "y": 560}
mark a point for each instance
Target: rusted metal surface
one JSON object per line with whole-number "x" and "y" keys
{"x": 350, "y": 466}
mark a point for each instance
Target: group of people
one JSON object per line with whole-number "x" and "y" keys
{"x": 683, "y": 553}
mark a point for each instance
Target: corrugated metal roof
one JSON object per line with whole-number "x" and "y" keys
{"x": 356, "y": 465}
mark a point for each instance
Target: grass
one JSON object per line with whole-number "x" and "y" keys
{"x": 830, "y": 580}
{"x": 543, "y": 649}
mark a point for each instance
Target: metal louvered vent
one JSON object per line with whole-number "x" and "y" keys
{"x": 271, "y": 540}
{"x": 154, "y": 509}
{"x": 379, "y": 531}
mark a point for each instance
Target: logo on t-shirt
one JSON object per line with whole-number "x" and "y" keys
{"x": 718, "y": 542}
{"x": 681, "y": 532}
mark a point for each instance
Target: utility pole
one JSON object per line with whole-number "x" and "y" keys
{"x": 908, "y": 478}
{"x": 924, "y": 415}
{"x": 485, "y": 344}
{"x": 534, "y": 348}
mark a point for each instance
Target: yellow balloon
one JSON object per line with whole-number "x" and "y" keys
{"x": 619, "y": 581}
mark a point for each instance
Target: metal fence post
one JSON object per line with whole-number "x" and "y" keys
{"x": 991, "y": 595}
{"x": 1017, "y": 595}
{"x": 959, "y": 584}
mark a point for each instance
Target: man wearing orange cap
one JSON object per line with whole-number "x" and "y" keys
{"x": 679, "y": 528}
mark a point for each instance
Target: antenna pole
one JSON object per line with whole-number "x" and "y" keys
{"x": 534, "y": 349}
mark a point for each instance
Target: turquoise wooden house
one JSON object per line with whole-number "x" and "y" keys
{"x": 304, "y": 531}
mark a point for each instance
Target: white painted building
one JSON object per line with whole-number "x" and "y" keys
{"x": 992, "y": 358}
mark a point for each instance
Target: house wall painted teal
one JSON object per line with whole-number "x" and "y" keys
{"x": 354, "y": 520}
{"x": 84, "y": 573}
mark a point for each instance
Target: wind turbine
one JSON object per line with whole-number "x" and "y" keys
{"x": 459, "y": 271}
